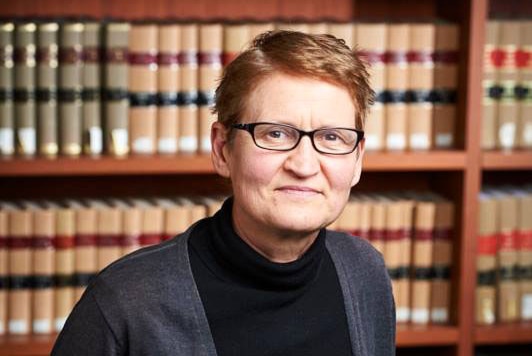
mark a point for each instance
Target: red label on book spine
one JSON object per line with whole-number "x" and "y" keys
{"x": 166, "y": 237}
{"x": 70, "y": 55}
{"x": 109, "y": 240}
{"x": 420, "y": 57}
{"x": 376, "y": 235}
{"x": 394, "y": 235}
{"x": 149, "y": 239}
{"x": 19, "y": 242}
{"x": 64, "y": 242}
{"x": 228, "y": 57}
{"x": 167, "y": 59}
{"x": 92, "y": 54}
{"x": 497, "y": 57}
{"x": 487, "y": 245}
{"x": 142, "y": 59}
{"x": 396, "y": 57}
{"x": 524, "y": 240}
{"x": 522, "y": 58}
{"x": 423, "y": 235}
{"x": 3, "y": 242}
{"x": 507, "y": 241}
{"x": 209, "y": 58}
{"x": 443, "y": 234}
{"x": 116, "y": 55}
{"x": 446, "y": 57}
{"x": 130, "y": 240}
{"x": 85, "y": 240}
{"x": 188, "y": 58}
{"x": 42, "y": 242}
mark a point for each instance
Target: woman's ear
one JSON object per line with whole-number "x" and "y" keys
{"x": 220, "y": 149}
{"x": 358, "y": 164}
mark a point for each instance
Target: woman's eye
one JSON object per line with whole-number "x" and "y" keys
{"x": 275, "y": 134}
{"x": 331, "y": 137}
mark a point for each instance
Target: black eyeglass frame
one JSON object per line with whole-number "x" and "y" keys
{"x": 251, "y": 129}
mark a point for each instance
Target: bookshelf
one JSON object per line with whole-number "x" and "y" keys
{"x": 456, "y": 173}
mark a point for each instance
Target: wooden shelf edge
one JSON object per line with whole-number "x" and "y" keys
{"x": 201, "y": 164}
{"x": 504, "y": 334}
{"x": 26, "y": 345}
{"x": 414, "y": 161}
{"x": 430, "y": 335}
{"x": 181, "y": 164}
{"x": 500, "y": 160}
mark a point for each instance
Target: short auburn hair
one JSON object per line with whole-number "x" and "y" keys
{"x": 320, "y": 57}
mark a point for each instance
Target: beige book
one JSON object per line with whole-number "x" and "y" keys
{"x": 236, "y": 37}
{"x": 20, "y": 267}
{"x": 525, "y": 254}
{"x": 25, "y": 68}
{"x": 490, "y": 86}
{"x": 524, "y": 123}
{"x": 47, "y": 70}
{"x": 7, "y": 124}
{"x": 188, "y": 108}
{"x": 3, "y": 269}
{"x": 258, "y": 28}
{"x": 110, "y": 232}
{"x": 64, "y": 265}
{"x": 70, "y": 89}
{"x": 344, "y": 31}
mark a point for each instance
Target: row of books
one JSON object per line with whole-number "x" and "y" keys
{"x": 507, "y": 101}
{"x": 50, "y": 251}
{"x": 73, "y": 88}
{"x": 414, "y": 233}
{"x": 504, "y": 256}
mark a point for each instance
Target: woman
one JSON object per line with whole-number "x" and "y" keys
{"x": 263, "y": 276}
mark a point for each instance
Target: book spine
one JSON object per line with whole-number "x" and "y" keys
{"x": 110, "y": 235}
{"x": 372, "y": 42}
{"x": 188, "y": 95}
{"x": 445, "y": 85}
{"x": 24, "y": 94}
{"x": 442, "y": 262}
{"x": 344, "y": 31}
{"x": 70, "y": 89}
{"x": 485, "y": 304}
{"x": 422, "y": 261}
{"x": 235, "y": 38}
{"x": 43, "y": 271}
{"x": 46, "y": 95}
{"x": 210, "y": 70}
{"x": 152, "y": 225}
{"x": 133, "y": 220}
{"x": 20, "y": 268}
{"x": 509, "y": 42}
{"x": 7, "y": 122}
{"x": 4, "y": 271}
{"x": 507, "y": 258}
{"x": 257, "y": 28}
{"x": 64, "y": 266}
{"x": 91, "y": 114}
{"x": 420, "y": 86}
{"x": 143, "y": 49}
{"x": 85, "y": 267}
{"x": 524, "y": 238}
{"x": 397, "y": 86}
{"x": 524, "y": 91}
{"x": 490, "y": 85}
{"x": 116, "y": 103}
{"x": 176, "y": 220}
{"x": 377, "y": 232}
{"x": 168, "y": 88}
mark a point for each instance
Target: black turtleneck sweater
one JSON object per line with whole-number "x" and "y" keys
{"x": 258, "y": 307}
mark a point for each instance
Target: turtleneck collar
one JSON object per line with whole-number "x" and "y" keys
{"x": 240, "y": 263}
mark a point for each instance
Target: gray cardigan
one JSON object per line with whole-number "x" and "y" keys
{"x": 148, "y": 304}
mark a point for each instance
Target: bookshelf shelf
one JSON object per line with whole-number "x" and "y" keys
{"x": 201, "y": 164}
{"x": 504, "y": 334}
{"x": 419, "y": 336}
{"x": 34, "y": 345}
{"x": 512, "y": 160}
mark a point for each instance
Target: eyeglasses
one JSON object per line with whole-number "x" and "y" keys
{"x": 281, "y": 137}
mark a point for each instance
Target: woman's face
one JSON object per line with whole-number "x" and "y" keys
{"x": 295, "y": 192}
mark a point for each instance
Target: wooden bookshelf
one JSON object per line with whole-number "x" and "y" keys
{"x": 511, "y": 160}
{"x": 456, "y": 173}
{"x": 504, "y": 334}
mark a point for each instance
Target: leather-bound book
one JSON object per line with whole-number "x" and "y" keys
{"x": 377, "y": 232}
{"x": 70, "y": 88}
{"x": 4, "y": 272}
{"x": 372, "y": 39}
{"x": 257, "y": 28}
{"x": 445, "y": 85}
{"x": 524, "y": 236}
{"x": 143, "y": 44}
{"x": 490, "y": 85}
{"x": 420, "y": 86}
{"x": 210, "y": 71}
{"x": 524, "y": 89}
{"x": 397, "y": 85}
{"x": 110, "y": 233}
{"x": 485, "y": 295}
{"x": 188, "y": 95}
{"x": 24, "y": 89}
{"x": 64, "y": 265}
{"x": 43, "y": 270}
{"x": 132, "y": 233}
{"x": 174, "y": 217}
{"x": 236, "y": 37}
{"x": 92, "y": 82}
{"x": 7, "y": 121}
{"x": 168, "y": 88}
{"x": 115, "y": 89}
